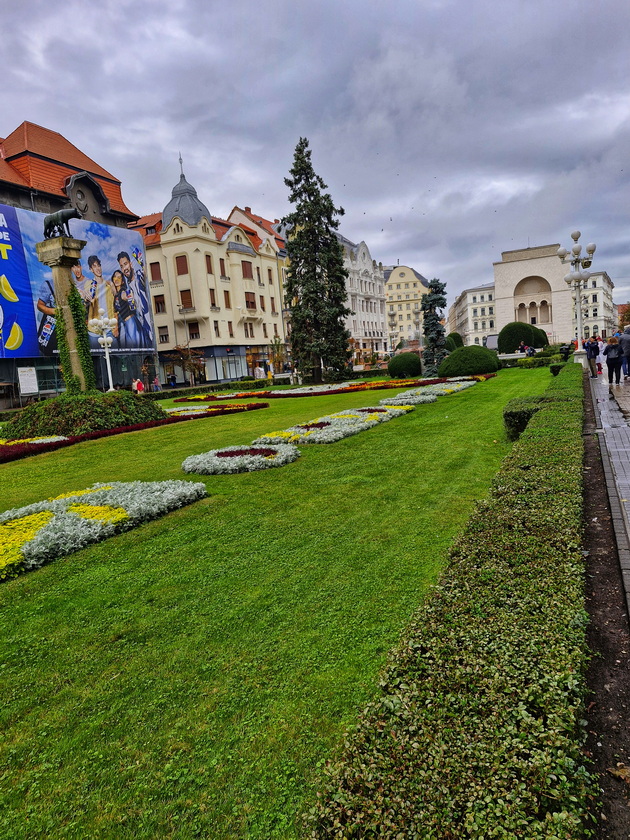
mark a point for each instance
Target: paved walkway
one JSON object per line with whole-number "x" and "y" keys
{"x": 612, "y": 409}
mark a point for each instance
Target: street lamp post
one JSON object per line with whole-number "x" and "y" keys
{"x": 578, "y": 276}
{"x": 102, "y": 325}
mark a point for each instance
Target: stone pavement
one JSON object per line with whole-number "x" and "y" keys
{"x": 612, "y": 410}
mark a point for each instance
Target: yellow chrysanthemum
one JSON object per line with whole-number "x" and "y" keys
{"x": 15, "y": 534}
{"x": 101, "y": 513}
{"x": 79, "y": 493}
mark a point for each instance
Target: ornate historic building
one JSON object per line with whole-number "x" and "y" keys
{"x": 215, "y": 287}
{"x": 42, "y": 171}
{"x": 366, "y": 299}
{"x": 405, "y": 288}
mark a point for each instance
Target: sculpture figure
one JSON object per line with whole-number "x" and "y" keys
{"x": 56, "y": 224}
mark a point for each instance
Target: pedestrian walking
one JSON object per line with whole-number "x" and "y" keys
{"x": 614, "y": 355}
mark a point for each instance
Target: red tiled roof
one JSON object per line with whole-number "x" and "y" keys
{"x": 220, "y": 226}
{"x": 266, "y": 224}
{"x": 43, "y": 160}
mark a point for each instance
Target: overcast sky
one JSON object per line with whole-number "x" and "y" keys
{"x": 448, "y": 130}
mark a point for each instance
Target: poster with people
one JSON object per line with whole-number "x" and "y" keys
{"x": 110, "y": 276}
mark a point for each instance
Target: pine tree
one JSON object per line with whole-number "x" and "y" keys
{"x": 315, "y": 289}
{"x": 434, "y": 342}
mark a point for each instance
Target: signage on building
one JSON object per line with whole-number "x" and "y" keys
{"x": 27, "y": 378}
{"x": 110, "y": 276}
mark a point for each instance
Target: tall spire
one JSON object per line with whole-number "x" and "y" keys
{"x": 181, "y": 164}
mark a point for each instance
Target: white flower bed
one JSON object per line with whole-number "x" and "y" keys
{"x": 413, "y": 397}
{"x": 451, "y": 387}
{"x": 334, "y": 427}
{"x": 221, "y": 461}
{"x": 49, "y": 439}
{"x": 75, "y": 520}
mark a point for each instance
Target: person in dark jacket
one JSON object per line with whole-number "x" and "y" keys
{"x": 614, "y": 356}
{"x": 624, "y": 341}
{"x": 592, "y": 352}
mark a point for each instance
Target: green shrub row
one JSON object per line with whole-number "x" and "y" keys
{"x": 467, "y": 361}
{"x": 78, "y": 414}
{"x": 538, "y": 361}
{"x": 476, "y": 731}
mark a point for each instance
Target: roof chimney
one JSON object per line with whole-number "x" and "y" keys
{"x": 248, "y": 210}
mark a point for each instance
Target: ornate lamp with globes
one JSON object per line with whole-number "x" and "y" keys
{"x": 577, "y": 279}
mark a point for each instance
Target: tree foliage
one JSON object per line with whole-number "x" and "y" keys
{"x": 434, "y": 341}
{"x": 516, "y": 331}
{"x": 191, "y": 361}
{"x": 315, "y": 288}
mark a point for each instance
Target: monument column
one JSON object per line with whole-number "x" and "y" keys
{"x": 60, "y": 254}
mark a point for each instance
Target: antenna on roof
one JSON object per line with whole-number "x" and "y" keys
{"x": 181, "y": 164}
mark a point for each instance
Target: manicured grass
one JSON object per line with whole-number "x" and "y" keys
{"x": 187, "y": 679}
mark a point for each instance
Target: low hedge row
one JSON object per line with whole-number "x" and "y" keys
{"x": 476, "y": 731}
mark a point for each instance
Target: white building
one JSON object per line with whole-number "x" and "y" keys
{"x": 366, "y": 299}
{"x": 473, "y": 315}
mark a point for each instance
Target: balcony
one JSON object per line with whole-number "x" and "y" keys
{"x": 224, "y": 277}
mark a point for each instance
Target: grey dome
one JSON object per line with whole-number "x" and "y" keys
{"x": 185, "y": 205}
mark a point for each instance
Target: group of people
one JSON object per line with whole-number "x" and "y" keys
{"x": 523, "y": 348}
{"x": 615, "y": 352}
{"x": 122, "y": 297}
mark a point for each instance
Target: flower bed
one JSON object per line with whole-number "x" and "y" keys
{"x": 315, "y": 390}
{"x": 428, "y": 394}
{"x": 13, "y": 450}
{"x": 334, "y": 427}
{"x": 239, "y": 459}
{"x": 35, "y": 534}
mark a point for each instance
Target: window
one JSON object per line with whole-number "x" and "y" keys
{"x": 415, "y": 285}
{"x": 181, "y": 264}
{"x": 398, "y": 285}
{"x": 474, "y": 313}
{"x": 476, "y": 339}
{"x": 269, "y": 275}
{"x": 398, "y": 297}
{"x": 475, "y": 326}
{"x": 217, "y": 334}
{"x": 406, "y": 285}
{"x": 177, "y": 228}
{"x": 400, "y": 317}
{"x": 249, "y": 329}
{"x": 400, "y": 306}
{"x": 594, "y": 298}
{"x": 193, "y": 330}
{"x": 408, "y": 306}
{"x": 230, "y": 329}
{"x": 262, "y": 302}
{"x": 226, "y": 299}
{"x": 490, "y": 296}
{"x": 247, "y": 267}
{"x": 483, "y": 325}
{"x": 222, "y": 266}
{"x": 481, "y": 298}
{"x": 407, "y": 297}
{"x": 474, "y": 298}
{"x": 275, "y": 329}
{"x": 213, "y": 297}
{"x": 158, "y": 304}
{"x": 186, "y": 299}
{"x": 209, "y": 264}
{"x": 491, "y": 325}
{"x": 594, "y": 284}
{"x": 163, "y": 335}
{"x": 273, "y": 306}
{"x": 532, "y": 321}
{"x": 409, "y": 316}
{"x": 258, "y": 273}
{"x": 491, "y": 310}
{"x": 265, "y": 330}
{"x": 595, "y": 330}
{"x": 156, "y": 272}
{"x": 594, "y": 316}
{"x": 250, "y": 300}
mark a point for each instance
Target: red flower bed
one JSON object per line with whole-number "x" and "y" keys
{"x": 234, "y": 453}
{"x": 321, "y": 425}
{"x": 23, "y": 450}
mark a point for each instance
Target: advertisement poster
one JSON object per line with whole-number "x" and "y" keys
{"x": 110, "y": 276}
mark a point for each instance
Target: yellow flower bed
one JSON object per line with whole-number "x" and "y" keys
{"x": 101, "y": 513}
{"x": 79, "y": 493}
{"x": 15, "y": 534}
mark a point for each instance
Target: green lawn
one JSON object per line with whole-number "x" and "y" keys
{"x": 188, "y": 678}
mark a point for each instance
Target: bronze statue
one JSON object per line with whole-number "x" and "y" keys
{"x": 57, "y": 223}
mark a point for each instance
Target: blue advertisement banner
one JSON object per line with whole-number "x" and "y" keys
{"x": 110, "y": 276}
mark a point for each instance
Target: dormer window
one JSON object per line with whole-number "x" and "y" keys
{"x": 205, "y": 228}
{"x": 238, "y": 238}
{"x": 150, "y": 230}
{"x": 177, "y": 228}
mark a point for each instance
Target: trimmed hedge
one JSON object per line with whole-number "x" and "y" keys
{"x": 404, "y": 366}
{"x": 467, "y": 361}
{"x": 76, "y": 414}
{"x": 516, "y": 331}
{"x": 458, "y": 341}
{"x": 477, "y": 728}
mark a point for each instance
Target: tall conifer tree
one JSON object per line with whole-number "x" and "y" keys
{"x": 315, "y": 287}
{"x": 434, "y": 341}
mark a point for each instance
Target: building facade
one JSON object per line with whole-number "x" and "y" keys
{"x": 366, "y": 300}
{"x": 529, "y": 286}
{"x": 215, "y": 288}
{"x": 404, "y": 288}
{"x": 473, "y": 314}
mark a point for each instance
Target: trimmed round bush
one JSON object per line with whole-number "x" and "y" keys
{"x": 456, "y": 338}
{"x": 404, "y": 366}
{"x": 466, "y": 361}
{"x": 516, "y": 331}
{"x": 77, "y": 414}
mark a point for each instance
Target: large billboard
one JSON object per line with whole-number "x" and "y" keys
{"x": 110, "y": 276}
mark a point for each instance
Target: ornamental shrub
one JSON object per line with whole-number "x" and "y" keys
{"x": 513, "y": 333}
{"x": 404, "y": 366}
{"x": 450, "y": 344}
{"x": 466, "y": 361}
{"x": 456, "y": 338}
{"x": 76, "y": 414}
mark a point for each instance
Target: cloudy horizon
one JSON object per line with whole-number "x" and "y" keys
{"x": 448, "y": 131}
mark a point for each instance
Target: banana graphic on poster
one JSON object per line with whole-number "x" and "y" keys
{"x": 6, "y": 290}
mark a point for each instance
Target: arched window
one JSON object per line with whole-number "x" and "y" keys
{"x": 595, "y": 329}
{"x": 587, "y": 332}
